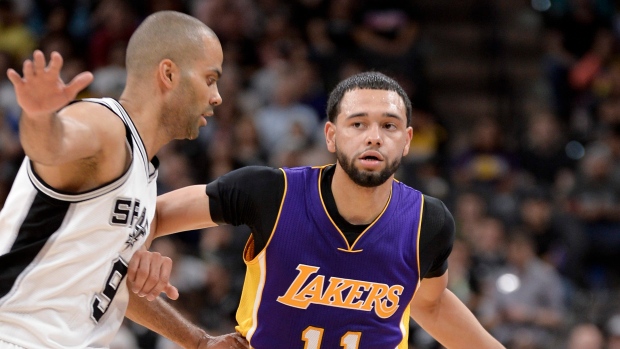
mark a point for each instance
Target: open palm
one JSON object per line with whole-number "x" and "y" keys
{"x": 41, "y": 90}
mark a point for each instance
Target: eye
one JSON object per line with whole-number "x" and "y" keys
{"x": 357, "y": 124}
{"x": 390, "y": 126}
{"x": 211, "y": 81}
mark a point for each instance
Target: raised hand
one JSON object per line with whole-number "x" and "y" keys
{"x": 41, "y": 90}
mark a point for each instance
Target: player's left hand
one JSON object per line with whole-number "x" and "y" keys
{"x": 227, "y": 341}
{"x": 148, "y": 275}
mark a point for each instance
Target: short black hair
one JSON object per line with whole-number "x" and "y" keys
{"x": 365, "y": 81}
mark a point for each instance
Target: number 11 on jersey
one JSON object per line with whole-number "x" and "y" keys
{"x": 312, "y": 337}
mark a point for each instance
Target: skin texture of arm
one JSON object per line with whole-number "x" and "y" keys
{"x": 162, "y": 318}
{"x": 181, "y": 210}
{"x": 438, "y": 311}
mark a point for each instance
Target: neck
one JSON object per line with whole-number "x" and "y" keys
{"x": 144, "y": 114}
{"x": 357, "y": 204}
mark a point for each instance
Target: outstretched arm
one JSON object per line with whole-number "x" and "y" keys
{"x": 438, "y": 311}
{"x": 74, "y": 147}
{"x": 47, "y": 137}
{"x": 181, "y": 210}
{"x": 161, "y": 317}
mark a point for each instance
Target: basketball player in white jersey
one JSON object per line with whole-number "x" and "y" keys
{"x": 84, "y": 197}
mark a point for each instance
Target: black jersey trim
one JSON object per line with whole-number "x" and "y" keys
{"x": 118, "y": 109}
{"x": 135, "y": 134}
{"x": 44, "y": 188}
{"x": 350, "y": 246}
{"x": 249, "y": 254}
{"x": 45, "y": 216}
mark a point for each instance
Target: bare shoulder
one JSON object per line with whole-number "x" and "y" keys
{"x": 98, "y": 118}
{"x": 96, "y": 127}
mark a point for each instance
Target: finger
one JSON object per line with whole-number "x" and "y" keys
{"x": 132, "y": 272}
{"x": 55, "y": 63}
{"x": 172, "y": 292}
{"x": 39, "y": 61}
{"x": 14, "y": 77}
{"x": 151, "y": 285}
{"x": 164, "y": 277}
{"x": 142, "y": 273}
{"x": 28, "y": 70}
{"x": 78, "y": 84}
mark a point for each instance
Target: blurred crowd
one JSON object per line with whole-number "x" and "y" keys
{"x": 537, "y": 209}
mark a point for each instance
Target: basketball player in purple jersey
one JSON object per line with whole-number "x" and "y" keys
{"x": 340, "y": 256}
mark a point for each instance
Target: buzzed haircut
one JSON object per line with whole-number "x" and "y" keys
{"x": 165, "y": 34}
{"x": 365, "y": 81}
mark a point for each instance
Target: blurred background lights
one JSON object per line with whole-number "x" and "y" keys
{"x": 575, "y": 150}
{"x": 508, "y": 283}
{"x": 541, "y": 5}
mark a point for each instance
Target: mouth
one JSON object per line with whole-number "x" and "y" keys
{"x": 371, "y": 160}
{"x": 371, "y": 155}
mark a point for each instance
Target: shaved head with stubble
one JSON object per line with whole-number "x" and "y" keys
{"x": 165, "y": 35}
{"x": 173, "y": 63}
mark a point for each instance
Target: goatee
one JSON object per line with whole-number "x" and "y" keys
{"x": 363, "y": 178}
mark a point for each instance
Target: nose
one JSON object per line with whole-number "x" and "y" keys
{"x": 373, "y": 135}
{"x": 216, "y": 99}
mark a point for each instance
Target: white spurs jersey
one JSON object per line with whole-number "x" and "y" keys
{"x": 63, "y": 258}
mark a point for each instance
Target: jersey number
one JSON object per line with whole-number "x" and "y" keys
{"x": 119, "y": 270}
{"x": 312, "y": 337}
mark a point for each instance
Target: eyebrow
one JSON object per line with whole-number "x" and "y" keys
{"x": 389, "y": 115}
{"x": 217, "y": 71}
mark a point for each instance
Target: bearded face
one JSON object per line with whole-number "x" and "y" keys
{"x": 366, "y": 178}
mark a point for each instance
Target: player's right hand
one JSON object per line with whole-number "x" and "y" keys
{"x": 41, "y": 90}
{"x": 148, "y": 275}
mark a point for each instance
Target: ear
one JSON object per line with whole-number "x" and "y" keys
{"x": 330, "y": 136}
{"x": 167, "y": 74}
{"x": 409, "y": 137}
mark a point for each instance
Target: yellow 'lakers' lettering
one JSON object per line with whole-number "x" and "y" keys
{"x": 380, "y": 297}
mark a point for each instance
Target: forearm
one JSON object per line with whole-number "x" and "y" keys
{"x": 451, "y": 323}
{"x": 161, "y": 317}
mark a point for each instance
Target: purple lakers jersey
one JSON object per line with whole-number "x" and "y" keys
{"x": 310, "y": 289}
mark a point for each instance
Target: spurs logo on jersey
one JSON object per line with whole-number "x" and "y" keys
{"x": 341, "y": 293}
{"x": 126, "y": 212}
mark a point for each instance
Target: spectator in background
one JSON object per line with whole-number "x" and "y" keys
{"x": 236, "y": 24}
{"x": 462, "y": 281}
{"x": 525, "y": 306}
{"x": 558, "y": 238}
{"x": 284, "y": 123}
{"x": 487, "y": 242}
{"x": 387, "y": 33}
{"x": 570, "y": 38}
{"x": 470, "y": 210}
{"x": 330, "y": 39}
{"x": 114, "y": 21}
{"x": 542, "y": 152}
{"x": 486, "y": 162}
{"x": 488, "y": 167}
{"x": 595, "y": 199}
{"x": 110, "y": 78}
{"x": 15, "y": 37}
